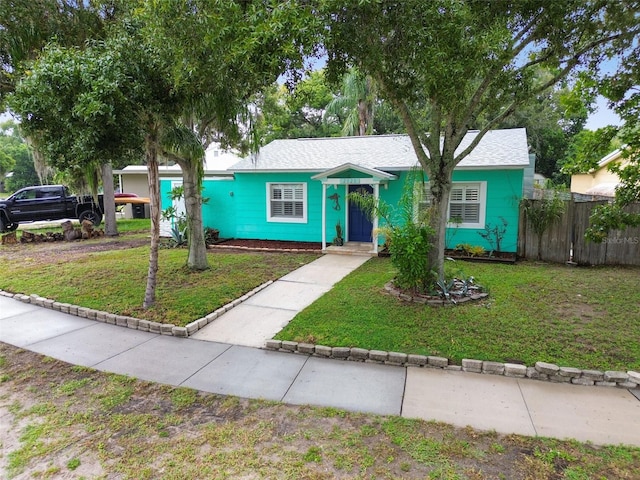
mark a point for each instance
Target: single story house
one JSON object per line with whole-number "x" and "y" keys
{"x": 599, "y": 182}
{"x": 297, "y": 189}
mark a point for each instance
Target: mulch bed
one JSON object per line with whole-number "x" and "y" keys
{"x": 269, "y": 244}
{"x": 494, "y": 257}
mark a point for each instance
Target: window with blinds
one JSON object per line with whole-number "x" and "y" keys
{"x": 287, "y": 201}
{"x": 466, "y": 203}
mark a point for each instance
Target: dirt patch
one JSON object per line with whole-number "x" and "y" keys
{"x": 96, "y": 425}
{"x": 56, "y": 252}
{"x": 61, "y": 251}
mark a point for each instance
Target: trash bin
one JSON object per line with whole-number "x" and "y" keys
{"x": 138, "y": 210}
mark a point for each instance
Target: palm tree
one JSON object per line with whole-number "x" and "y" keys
{"x": 357, "y": 102}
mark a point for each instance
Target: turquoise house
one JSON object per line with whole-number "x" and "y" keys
{"x": 297, "y": 189}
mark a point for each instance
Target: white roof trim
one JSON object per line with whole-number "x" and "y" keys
{"x": 607, "y": 159}
{"x": 379, "y": 174}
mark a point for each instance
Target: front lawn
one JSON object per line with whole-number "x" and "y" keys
{"x": 578, "y": 317}
{"x": 115, "y": 280}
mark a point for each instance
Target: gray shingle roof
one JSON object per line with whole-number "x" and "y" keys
{"x": 498, "y": 148}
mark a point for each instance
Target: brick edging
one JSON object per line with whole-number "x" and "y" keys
{"x": 541, "y": 371}
{"x": 131, "y": 322}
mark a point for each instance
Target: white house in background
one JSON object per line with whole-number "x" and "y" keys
{"x": 539, "y": 180}
{"x": 599, "y": 181}
{"x": 134, "y": 178}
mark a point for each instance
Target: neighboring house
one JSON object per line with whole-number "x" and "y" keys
{"x": 599, "y": 182}
{"x": 296, "y": 189}
{"x": 134, "y": 178}
{"x": 539, "y": 180}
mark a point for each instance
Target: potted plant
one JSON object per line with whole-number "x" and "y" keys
{"x": 211, "y": 235}
{"x": 338, "y": 240}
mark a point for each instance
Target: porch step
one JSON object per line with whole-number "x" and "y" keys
{"x": 352, "y": 248}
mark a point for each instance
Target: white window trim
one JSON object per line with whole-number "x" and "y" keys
{"x": 482, "y": 200}
{"x": 302, "y": 219}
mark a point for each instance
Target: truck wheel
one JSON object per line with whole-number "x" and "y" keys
{"x": 93, "y": 217}
{"x": 3, "y": 227}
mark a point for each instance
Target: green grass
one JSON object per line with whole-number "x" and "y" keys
{"x": 148, "y": 433}
{"x": 115, "y": 281}
{"x": 579, "y": 317}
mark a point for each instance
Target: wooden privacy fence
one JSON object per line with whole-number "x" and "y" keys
{"x": 566, "y": 237}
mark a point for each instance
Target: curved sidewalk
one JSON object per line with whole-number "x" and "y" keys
{"x": 601, "y": 415}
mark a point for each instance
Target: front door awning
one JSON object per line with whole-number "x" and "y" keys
{"x": 364, "y": 175}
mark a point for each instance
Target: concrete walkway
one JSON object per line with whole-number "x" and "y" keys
{"x": 259, "y": 318}
{"x": 601, "y": 415}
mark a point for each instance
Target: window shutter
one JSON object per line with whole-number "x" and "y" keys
{"x": 472, "y": 194}
{"x": 456, "y": 194}
{"x": 471, "y": 213}
{"x": 424, "y": 197}
{"x": 464, "y": 203}
{"x": 287, "y": 200}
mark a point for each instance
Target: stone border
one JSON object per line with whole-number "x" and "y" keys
{"x": 131, "y": 322}
{"x": 435, "y": 302}
{"x": 541, "y": 370}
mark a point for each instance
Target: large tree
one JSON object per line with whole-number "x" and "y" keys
{"x": 103, "y": 102}
{"x": 9, "y": 144}
{"x": 355, "y": 103}
{"x": 15, "y": 157}
{"x": 223, "y": 54}
{"x": 445, "y": 63}
{"x": 553, "y": 119}
{"x": 623, "y": 91}
{"x": 71, "y": 105}
{"x": 27, "y": 26}
{"x": 25, "y": 29}
{"x": 297, "y": 112}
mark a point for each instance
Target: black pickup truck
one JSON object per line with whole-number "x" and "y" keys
{"x": 47, "y": 202}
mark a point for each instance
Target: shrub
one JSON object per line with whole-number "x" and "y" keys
{"x": 409, "y": 246}
{"x": 408, "y": 240}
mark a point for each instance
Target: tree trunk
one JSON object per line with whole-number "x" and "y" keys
{"x": 192, "y": 182}
{"x": 440, "y": 185}
{"x": 362, "y": 117}
{"x": 540, "y": 246}
{"x": 154, "y": 196}
{"x": 110, "y": 225}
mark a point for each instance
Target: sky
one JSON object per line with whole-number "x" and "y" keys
{"x": 603, "y": 116}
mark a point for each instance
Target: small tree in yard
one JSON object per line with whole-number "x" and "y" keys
{"x": 494, "y": 234}
{"x": 104, "y": 102}
{"x": 541, "y": 214}
{"x": 223, "y": 53}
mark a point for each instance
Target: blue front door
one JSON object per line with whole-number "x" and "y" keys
{"x": 360, "y": 226}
